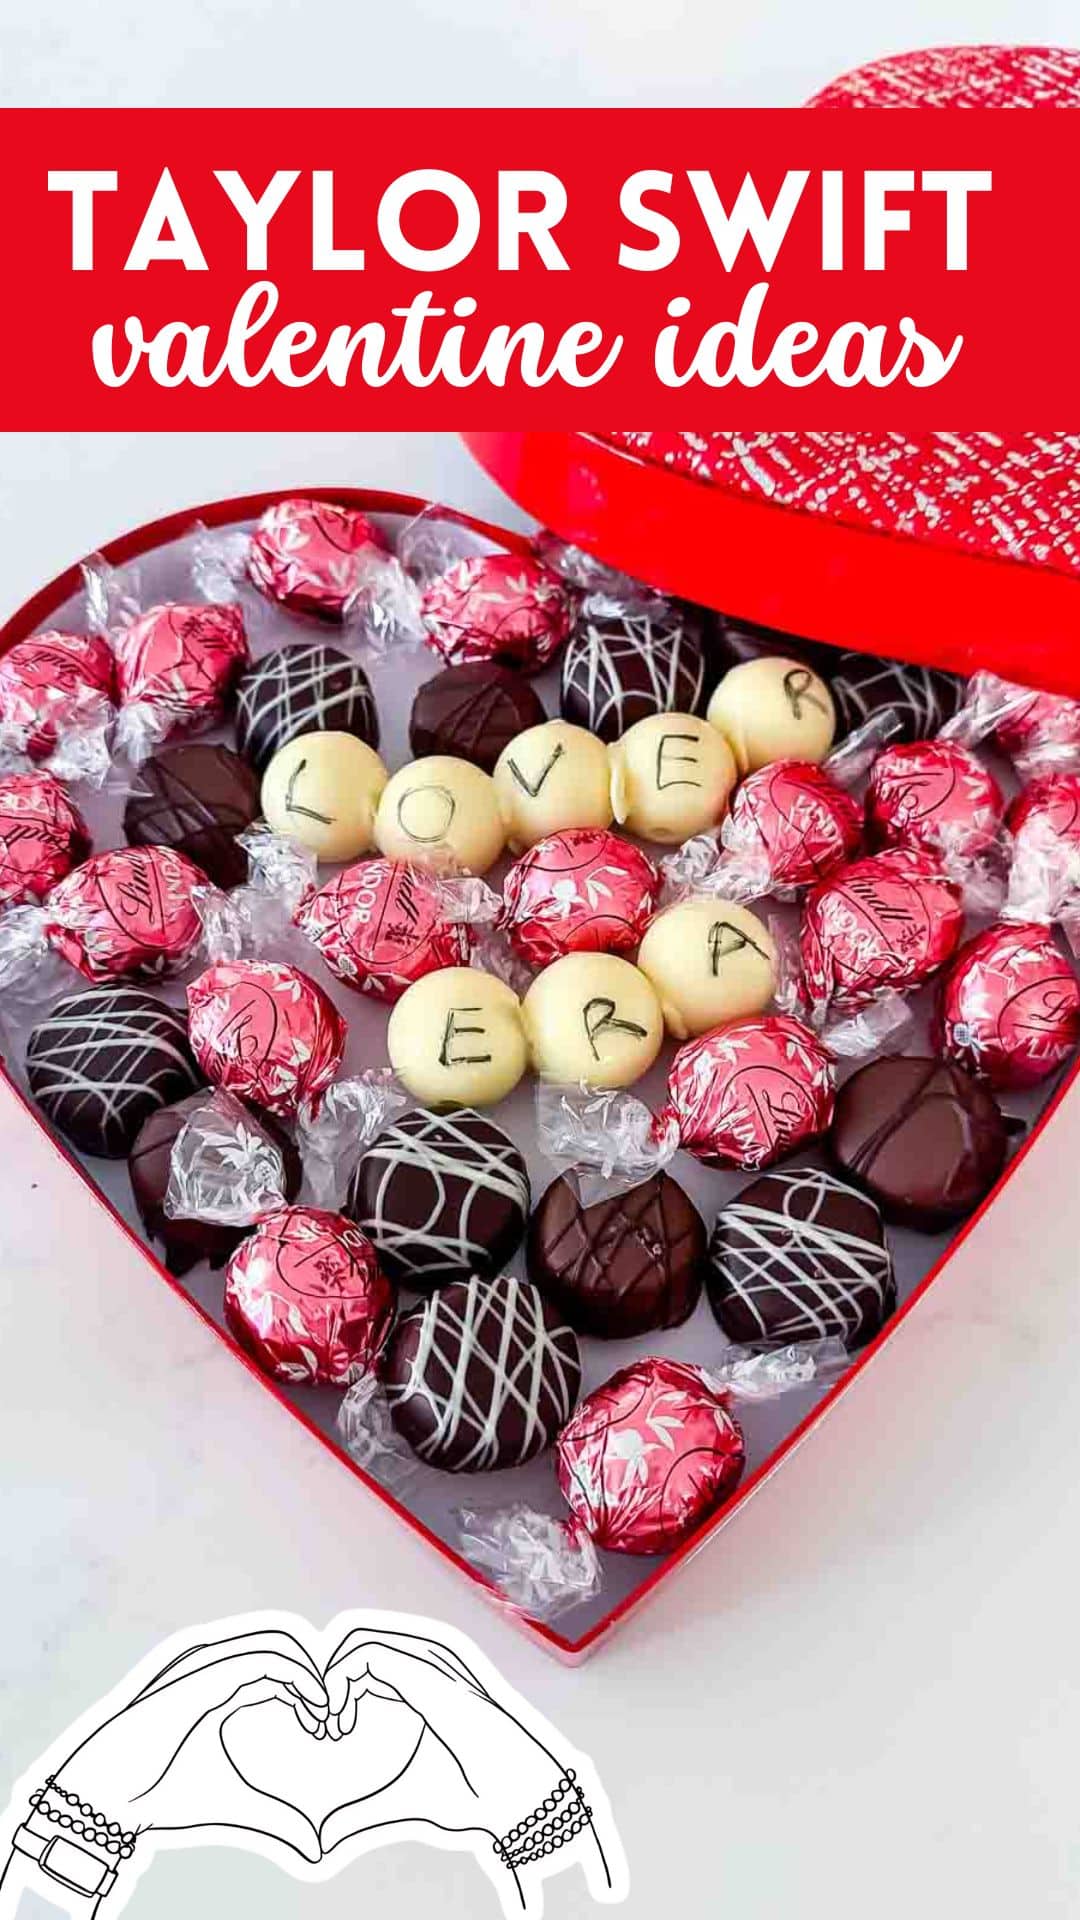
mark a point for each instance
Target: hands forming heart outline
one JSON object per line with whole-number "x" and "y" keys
{"x": 242, "y": 1737}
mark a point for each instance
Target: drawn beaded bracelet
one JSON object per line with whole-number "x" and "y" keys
{"x": 82, "y": 1851}
{"x": 558, "y": 1818}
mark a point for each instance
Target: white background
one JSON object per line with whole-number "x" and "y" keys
{"x": 864, "y": 1697}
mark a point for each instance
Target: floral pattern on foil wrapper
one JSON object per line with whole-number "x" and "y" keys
{"x": 1044, "y": 820}
{"x": 884, "y": 923}
{"x": 1010, "y": 1006}
{"x": 380, "y": 925}
{"x": 51, "y": 682}
{"x": 305, "y": 1295}
{"x": 791, "y": 813}
{"x": 933, "y": 794}
{"x": 584, "y": 890}
{"x": 506, "y": 608}
{"x": 1042, "y": 721}
{"x": 130, "y": 913}
{"x": 749, "y": 1092}
{"x": 265, "y": 1031}
{"x": 648, "y": 1456}
{"x": 42, "y": 836}
{"x": 314, "y": 556}
{"x": 183, "y": 661}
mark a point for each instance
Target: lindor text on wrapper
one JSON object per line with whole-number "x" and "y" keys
{"x": 202, "y": 270}
{"x": 846, "y": 219}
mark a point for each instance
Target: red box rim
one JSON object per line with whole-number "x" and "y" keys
{"x": 220, "y": 512}
{"x": 783, "y": 567}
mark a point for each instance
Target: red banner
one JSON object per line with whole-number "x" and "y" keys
{"x": 202, "y": 270}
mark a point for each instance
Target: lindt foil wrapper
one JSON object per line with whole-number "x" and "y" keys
{"x": 749, "y": 1092}
{"x": 1010, "y": 1005}
{"x": 315, "y": 557}
{"x": 381, "y": 924}
{"x": 52, "y": 683}
{"x": 507, "y": 608}
{"x": 884, "y": 923}
{"x": 265, "y": 1031}
{"x": 933, "y": 794}
{"x": 794, "y": 822}
{"x": 581, "y": 891}
{"x": 177, "y": 667}
{"x": 126, "y": 914}
{"x": 305, "y": 1295}
{"x": 42, "y": 836}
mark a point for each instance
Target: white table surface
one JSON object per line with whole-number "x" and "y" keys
{"x": 862, "y": 1698}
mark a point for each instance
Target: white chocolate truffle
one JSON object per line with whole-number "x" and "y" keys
{"x": 456, "y": 1039}
{"x": 441, "y": 812}
{"x": 773, "y": 709}
{"x": 592, "y": 1018}
{"x": 710, "y": 961}
{"x": 322, "y": 789}
{"x": 550, "y": 777}
{"x": 671, "y": 777}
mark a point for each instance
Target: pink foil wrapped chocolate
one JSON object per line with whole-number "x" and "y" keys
{"x": 886, "y": 923}
{"x": 381, "y": 924}
{"x": 1040, "y": 724}
{"x": 1044, "y": 821}
{"x": 1010, "y": 1005}
{"x": 315, "y": 557}
{"x": 933, "y": 794}
{"x": 790, "y": 819}
{"x": 177, "y": 667}
{"x": 52, "y": 683}
{"x": 126, "y": 914}
{"x": 265, "y": 1031}
{"x": 749, "y": 1092}
{"x": 648, "y": 1456}
{"x": 304, "y": 1294}
{"x": 584, "y": 890}
{"x": 504, "y": 608}
{"x": 42, "y": 836}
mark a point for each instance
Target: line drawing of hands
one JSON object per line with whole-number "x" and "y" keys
{"x": 252, "y": 1735}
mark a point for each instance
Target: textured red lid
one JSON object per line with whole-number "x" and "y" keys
{"x": 950, "y": 549}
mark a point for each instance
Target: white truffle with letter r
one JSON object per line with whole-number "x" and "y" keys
{"x": 671, "y": 775}
{"x": 592, "y": 1019}
{"x": 441, "y": 812}
{"x": 773, "y": 709}
{"x": 456, "y": 1039}
{"x": 551, "y": 777}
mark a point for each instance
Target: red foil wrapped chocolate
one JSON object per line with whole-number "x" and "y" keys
{"x": 933, "y": 794}
{"x": 648, "y": 1456}
{"x": 887, "y": 922}
{"x": 1043, "y": 720}
{"x": 265, "y": 1031}
{"x": 314, "y": 557}
{"x": 1010, "y": 1005}
{"x": 182, "y": 662}
{"x": 305, "y": 1295}
{"x": 52, "y": 682}
{"x": 581, "y": 891}
{"x": 42, "y": 836}
{"x": 747, "y": 1093}
{"x": 793, "y": 818}
{"x": 129, "y": 913}
{"x": 1044, "y": 820}
{"x": 502, "y": 607}
{"x": 380, "y": 925}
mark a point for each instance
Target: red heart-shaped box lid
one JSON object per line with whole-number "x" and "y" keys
{"x": 951, "y": 549}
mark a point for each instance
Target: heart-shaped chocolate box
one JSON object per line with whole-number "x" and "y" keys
{"x": 429, "y": 1500}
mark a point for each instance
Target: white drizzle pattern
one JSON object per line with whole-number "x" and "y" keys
{"x": 455, "y": 1160}
{"x": 924, "y": 697}
{"x": 494, "y": 1332}
{"x": 300, "y": 689}
{"x": 103, "y": 1061}
{"x": 830, "y": 1281}
{"x": 614, "y": 675}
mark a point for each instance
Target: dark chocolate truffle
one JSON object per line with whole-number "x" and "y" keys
{"x": 305, "y": 687}
{"x": 619, "y": 668}
{"x": 101, "y": 1062}
{"x": 441, "y": 1196}
{"x": 482, "y": 1375}
{"x": 624, "y": 1266}
{"x": 799, "y": 1256}
{"x": 186, "y": 1242}
{"x": 921, "y": 1136}
{"x": 195, "y": 798}
{"x": 472, "y": 711}
{"x": 923, "y": 697}
{"x": 730, "y": 642}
